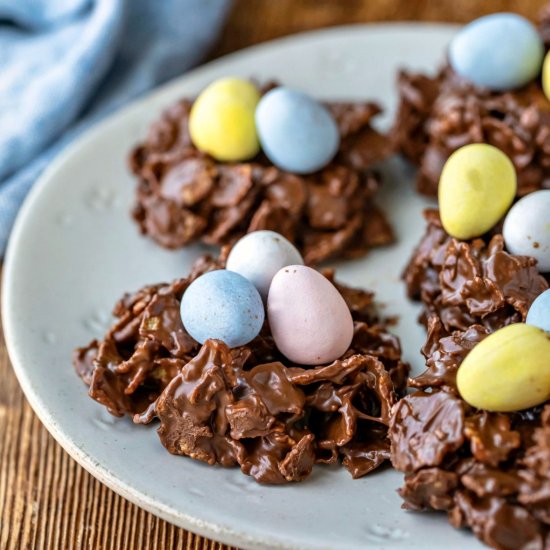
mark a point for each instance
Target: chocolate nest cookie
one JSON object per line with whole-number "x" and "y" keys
{"x": 488, "y": 471}
{"x": 463, "y": 283}
{"x": 439, "y": 114}
{"x": 247, "y": 406}
{"x": 184, "y": 196}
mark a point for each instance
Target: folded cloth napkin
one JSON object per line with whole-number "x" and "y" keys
{"x": 66, "y": 63}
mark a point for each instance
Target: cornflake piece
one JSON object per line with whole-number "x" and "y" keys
{"x": 247, "y": 406}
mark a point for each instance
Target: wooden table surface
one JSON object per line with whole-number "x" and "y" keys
{"x": 46, "y": 499}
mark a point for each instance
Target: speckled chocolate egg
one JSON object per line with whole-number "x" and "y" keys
{"x": 310, "y": 321}
{"x": 526, "y": 228}
{"x": 221, "y": 122}
{"x": 222, "y": 305}
{"x": 545, "y": 78}
{"x": 501, "y": 51}
{"x": 296, "y": 132}
{"x": 259, "y": 255}
{"x": 507, "y": 371}
{"x": 476, "y": 188}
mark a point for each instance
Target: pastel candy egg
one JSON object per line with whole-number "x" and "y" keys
{"x": 222, "y": 305}
{"x": 297, "y": 133}
{"x": 507, "y": 371}
{"x": 309, "y": 320}
{"x": 546, "y": 76}
{"x": 221, "y": 122}
{"x": 502, "y": 51}
{"x": 476, "y": 188}
{"x": 526, "y": 229}
{"x": 539, "y": 312}
{"x": 259, "y": 255}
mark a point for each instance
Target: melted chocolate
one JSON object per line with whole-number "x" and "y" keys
{"x": 489, "y": 471}
{"x": 437, "y": 115}
{"x": 463, "y": 283}
{"x": 183, "y": 195}
{"x": 247, "y": 406}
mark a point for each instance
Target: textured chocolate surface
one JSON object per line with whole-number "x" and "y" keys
{"x": 184, "y": 196}
{"x": 247, "y": 406}
{"x": 462, "y": 283}
{"x": 489, "y": 471}
{"x": 439, "y": 114}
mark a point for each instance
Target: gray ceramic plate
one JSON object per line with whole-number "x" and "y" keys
{"x": 74, "y": 251}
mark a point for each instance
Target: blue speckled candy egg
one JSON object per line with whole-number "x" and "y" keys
{"x": 502, "y": 51}
{"x": 222, "y": 305}
{"x": 259, "y": 255}
{"x": 539, "y": 312}
{"x": 296, "y": 132}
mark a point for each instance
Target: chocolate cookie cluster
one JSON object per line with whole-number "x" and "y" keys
{"x": 438, "y": 114}
{"x": 184, "y": 196}
{"x": 247, "y": 406}
{"x": 488, "y": 471}
{"x": 462, "y": 283}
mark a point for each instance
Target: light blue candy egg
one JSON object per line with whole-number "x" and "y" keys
{"x": 222, "y": 305}
{"x": 502, "y": 51}
{"x": 297, "y": 133}
{"x": 539, "y": 312}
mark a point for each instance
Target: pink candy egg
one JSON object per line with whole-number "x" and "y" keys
{"x": 310, "y": 321}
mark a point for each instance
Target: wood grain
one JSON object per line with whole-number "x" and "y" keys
{"x": 254, "y": 21}
{"x": 46, "y": 499}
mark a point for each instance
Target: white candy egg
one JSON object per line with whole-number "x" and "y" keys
{"x": 526, "y": 228}
{"x": 259, "y": 255}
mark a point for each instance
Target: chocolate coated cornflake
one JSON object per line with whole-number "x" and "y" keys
{"x": 437, "y": 115}
{"x": 462, "y": 283}
{"x": 489, "y": 471}
{"x": 247, "y": 406}
{"x": 183, "y": 195}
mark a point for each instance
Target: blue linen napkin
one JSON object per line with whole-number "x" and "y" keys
{"x": 66, "y": 63}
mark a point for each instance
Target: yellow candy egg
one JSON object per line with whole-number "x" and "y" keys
{"x": 221, "y": 122}
{"x": 507, "y": 371}
{"x": 546, "y": 76}
{"x": 476, "y": 188}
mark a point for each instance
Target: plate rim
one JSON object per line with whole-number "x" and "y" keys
{"x": 217, "y": 531}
